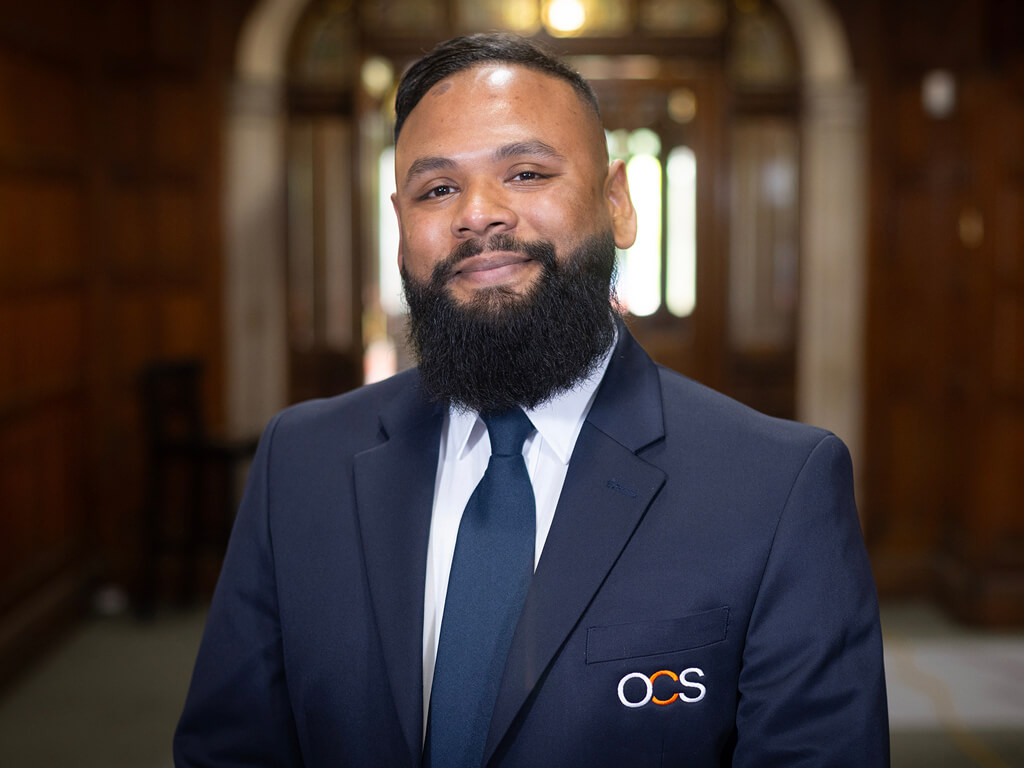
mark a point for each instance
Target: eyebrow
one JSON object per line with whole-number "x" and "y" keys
{"x": 424, "y": 165}
{"x": 532, "y": 147}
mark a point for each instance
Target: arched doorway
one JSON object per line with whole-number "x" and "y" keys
{"x": 825, "y": 346}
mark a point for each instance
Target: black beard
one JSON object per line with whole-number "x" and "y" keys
{"x": 501, "y": 350}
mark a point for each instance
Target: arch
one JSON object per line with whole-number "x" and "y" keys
{"x": 254, "y": 211}
{"x": 830, "y": 356}
{"x": 263, "y": 41}
{"x": 832, "y": 313}
{"x": 825, "y": 55}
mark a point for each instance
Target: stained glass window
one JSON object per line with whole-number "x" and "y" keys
{"x": 387, "y": 233}
{"x": 661, "y": 267}
{"x": 639, "y": 286}
{"x": 681, "y": 277}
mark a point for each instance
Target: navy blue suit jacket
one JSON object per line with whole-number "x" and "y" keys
{"x": 703, "y": 597}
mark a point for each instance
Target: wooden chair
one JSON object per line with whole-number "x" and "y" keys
{"x": 190, "y": 497}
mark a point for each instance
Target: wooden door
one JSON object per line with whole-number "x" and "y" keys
{"x": 986, "y": 543}
{"x": 739, "y": 335}
{"x": 946, "y": 351}
{"x": 691, "y": 342}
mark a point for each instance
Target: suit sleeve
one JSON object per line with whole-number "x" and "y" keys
{"x": 812, "y": 683}
{"x": 237, "y": 711}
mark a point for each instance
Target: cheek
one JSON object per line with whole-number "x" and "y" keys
{"x": 423, "y": 245}
{"x": 565, "y": 221}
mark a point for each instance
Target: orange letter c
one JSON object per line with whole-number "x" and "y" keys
{"x": 658, "y": 674}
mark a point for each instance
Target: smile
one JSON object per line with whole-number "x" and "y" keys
{"x": 492, "y": 267}
{"x": 491, "y": 260}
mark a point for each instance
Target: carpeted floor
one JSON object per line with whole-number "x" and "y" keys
{"x": 110, "y": 695}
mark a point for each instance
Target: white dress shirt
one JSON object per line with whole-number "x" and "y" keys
{"x": 464, "y": 452}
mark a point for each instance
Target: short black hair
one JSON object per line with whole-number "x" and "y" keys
{"x": 464, "y": 52}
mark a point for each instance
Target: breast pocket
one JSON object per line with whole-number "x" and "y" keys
{"x": 650, "y": 638}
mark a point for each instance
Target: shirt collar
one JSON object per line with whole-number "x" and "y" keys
{"x": 558, "y": 420}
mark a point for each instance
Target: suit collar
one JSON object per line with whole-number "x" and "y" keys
{"x": 394, "y": 483}
{"x": 409, "y": 409}
{"x": 607, "y": 491}
{"x": 628, "y": 406}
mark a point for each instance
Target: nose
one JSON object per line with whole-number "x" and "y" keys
{"x": 483, "y": 210}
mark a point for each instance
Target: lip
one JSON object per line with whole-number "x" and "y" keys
{"x": 494, "y": 268}
{"x": 490, "y": 260}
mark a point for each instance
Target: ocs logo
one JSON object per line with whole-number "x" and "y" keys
{"x": 689, "y": 691}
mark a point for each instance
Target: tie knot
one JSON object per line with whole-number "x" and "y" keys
{"x": 508, "y": 431}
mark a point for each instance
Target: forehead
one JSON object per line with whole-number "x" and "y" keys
{"x": 496, "y": 103}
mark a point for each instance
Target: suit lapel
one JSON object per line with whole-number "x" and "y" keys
{"x": 394, "y": 494}
{"x": 607, "y": 490}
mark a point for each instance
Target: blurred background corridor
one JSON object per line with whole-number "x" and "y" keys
{"x": 195, "y": 231}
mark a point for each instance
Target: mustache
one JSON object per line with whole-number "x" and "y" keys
{"x": 540, "y": 250}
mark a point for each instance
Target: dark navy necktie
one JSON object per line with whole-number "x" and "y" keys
{"x": 491, "y": 571}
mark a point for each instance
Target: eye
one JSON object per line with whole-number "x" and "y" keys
{"x": 441, "y": 190}
{"x": 529, "y": 176}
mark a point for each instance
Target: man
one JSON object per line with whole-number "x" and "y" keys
{"x": 697, "y": 591}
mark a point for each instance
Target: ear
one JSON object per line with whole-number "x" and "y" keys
{"x": 401, "y": 239}
{"x": 620, "y": 204}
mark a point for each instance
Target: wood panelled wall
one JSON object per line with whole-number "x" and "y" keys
{"x": 944, "y": 479}
{"x": 110, "y": 256}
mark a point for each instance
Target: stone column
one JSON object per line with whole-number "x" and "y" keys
{"x": 254, "y": 275}
{"x": 830, "y": 368}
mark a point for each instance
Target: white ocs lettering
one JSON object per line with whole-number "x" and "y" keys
{"x": 681, "y": 678}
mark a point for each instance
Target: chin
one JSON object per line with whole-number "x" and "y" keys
{"x": 498, "y": 295}
{"x": 521, "y": 284}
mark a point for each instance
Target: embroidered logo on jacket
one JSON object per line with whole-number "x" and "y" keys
{"x": 683, "y": 688}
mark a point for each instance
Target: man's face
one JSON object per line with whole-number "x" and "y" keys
{"x": 502, "y": 149}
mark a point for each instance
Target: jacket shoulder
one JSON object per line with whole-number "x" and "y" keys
{"x": 727, "y": 426}
{"x": 355, "y": 414}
